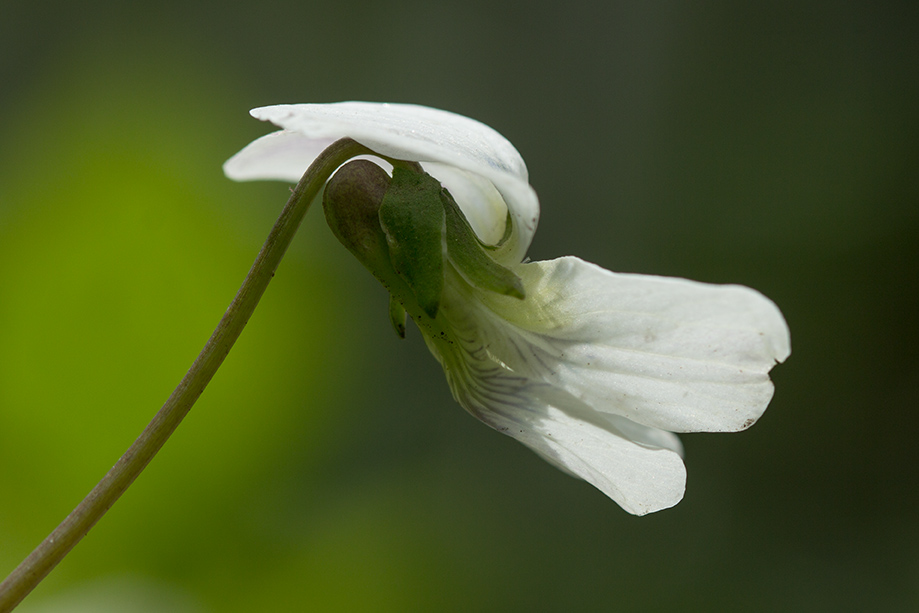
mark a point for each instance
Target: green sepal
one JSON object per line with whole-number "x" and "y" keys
{"x": 468, "y": 255}
{"x": 397, "y": 316}
{"x": 413, "y": 220}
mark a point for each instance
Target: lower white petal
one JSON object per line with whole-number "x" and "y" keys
{"x": 641, "y": 476}
{"x": 637, "y": 466}
{"x": 640, "y": 479}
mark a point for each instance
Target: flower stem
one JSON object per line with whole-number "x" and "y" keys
{"x": 58, "y": 544}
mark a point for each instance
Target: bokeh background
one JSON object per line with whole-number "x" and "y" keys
{"x": 327, "y": 468}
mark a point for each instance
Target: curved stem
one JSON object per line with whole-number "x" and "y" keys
{"x": 53, "y": 549}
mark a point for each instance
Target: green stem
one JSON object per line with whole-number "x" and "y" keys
{"x": 58, "y": 544}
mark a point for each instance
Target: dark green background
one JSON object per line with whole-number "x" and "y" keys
{"x": 327, "y": 468}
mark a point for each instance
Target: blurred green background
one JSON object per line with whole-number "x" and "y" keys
{"x": 327, "y": 468}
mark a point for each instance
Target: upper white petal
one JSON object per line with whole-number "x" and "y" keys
{"x": 280, "y": 156}
{"x": 482, "y": 204}
{"x": 668, "y": 353}
{"x": 401, "y": 131}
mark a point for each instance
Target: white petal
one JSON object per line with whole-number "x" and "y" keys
{"x": 668, "y": 353}
{"x": 641, "y": 434}
{"x": 481, "y": 203}
{"x": 637, "y": 466}
{"x": 401, "y": 131}
{"x": 640, "y": 477}
{"x": 280, "y": 156}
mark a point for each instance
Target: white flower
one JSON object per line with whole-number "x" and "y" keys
{"x": 593, "y": 370}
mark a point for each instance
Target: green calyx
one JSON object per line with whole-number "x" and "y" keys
{"x": 413, "y": 219}
{"x": 405, "y": 230}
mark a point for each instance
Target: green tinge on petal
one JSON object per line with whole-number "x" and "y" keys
{"x": 469, "y": 257}
{"x": 413, "y": 219}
